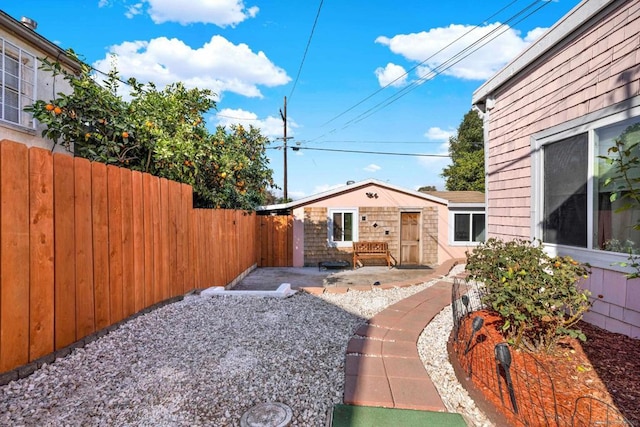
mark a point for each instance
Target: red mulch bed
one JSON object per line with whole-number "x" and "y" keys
{"x": 606, "y": 369}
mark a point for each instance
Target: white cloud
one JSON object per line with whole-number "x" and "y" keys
{"x": 372, "y": 168}
{"x": 437, "y": 134}
{"x": 270, "y": 127}
{"x": 218, "y": 65}
{"x": 535, "y": 34}
{"x": 103, "y": 3}
{"x": 222, "y": 13}
{"x": 440, "y": 49}
{"x": 392, "y": 75}
{"x": 133, "y": 10}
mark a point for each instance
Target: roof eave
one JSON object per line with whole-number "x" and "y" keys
{"x": 348, "y": 188}
{"x": 467, "y": 205}
{"x": 50, "y": 49}
{"x": 568, "y": 24}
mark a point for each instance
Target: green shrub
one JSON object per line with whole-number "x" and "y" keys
{"x": 536, "y": 294}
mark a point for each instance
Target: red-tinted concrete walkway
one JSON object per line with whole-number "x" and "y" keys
{"x": 382, "y": 366}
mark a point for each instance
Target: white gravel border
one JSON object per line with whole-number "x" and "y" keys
{"x": 205, "y": 361}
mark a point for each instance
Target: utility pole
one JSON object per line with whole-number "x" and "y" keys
{"x": 284, "y": 147}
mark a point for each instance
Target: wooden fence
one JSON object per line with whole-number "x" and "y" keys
{"x": 84, "y": 245}
{"x": 275, "y": 237}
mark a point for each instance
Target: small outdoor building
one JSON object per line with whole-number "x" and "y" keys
{"x": 550, "y": 117}
{"x": 421, "y": 229}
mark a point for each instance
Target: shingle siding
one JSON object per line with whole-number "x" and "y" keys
{"x": 596, "y": 69}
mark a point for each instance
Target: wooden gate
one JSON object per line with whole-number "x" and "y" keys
{"x": 275, "y": 234}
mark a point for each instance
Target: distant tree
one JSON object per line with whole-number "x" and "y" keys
{"x": 467, "y": 156}
{"x": 427, "y": 188}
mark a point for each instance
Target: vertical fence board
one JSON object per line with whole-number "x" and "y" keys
{"x": 65, "y": 281}
{"x": 217, "y": 248}
{"x": 165, "y": 278}
{"x": 148, "y": 239}
{"x": 138, "y": 240}
{"x": 209, "y": 262}
{"x": 183, "y": 240}
{"x": 41, "y": 272}
{"x": 114, "y": 190}
{"x": 128, "y": 291}
{"x": 14, "y": 247}
{"x": 180, "y": 270}
{"x": 100, "y": 216}
{"x": 202, "y": 249}
{"x": 195, "y": 249}
{"x": 193, "y": 261}
{"x": 173, "y": 200}
{"x": 85, "y": 314}
{"x": 157, "y": 239}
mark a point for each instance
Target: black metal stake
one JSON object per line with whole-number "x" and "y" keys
{"x": 503, "y": 358}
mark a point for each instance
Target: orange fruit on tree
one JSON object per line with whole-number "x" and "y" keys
{"x": 125, "y": 134}
{"x": 49, "y": 107}
{"x": 57, "y": 110}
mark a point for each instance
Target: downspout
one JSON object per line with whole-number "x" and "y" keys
{"x": 484, "y": 110}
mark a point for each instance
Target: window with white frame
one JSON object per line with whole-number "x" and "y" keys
{"x": 467, "y": 227}
{"x": 343, "y": 226}
{"x": 17, "y": 83}
{"x": 574, "y": 200}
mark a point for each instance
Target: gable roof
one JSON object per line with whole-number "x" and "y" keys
{"x": 50, "y": 49}
{"x": 347, "y": 188}
{"x": 565, "y": 27}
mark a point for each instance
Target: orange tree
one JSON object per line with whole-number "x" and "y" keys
{"x": 161, "y": 132}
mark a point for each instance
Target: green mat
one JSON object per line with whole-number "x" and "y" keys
{"x": 370, "y": 416}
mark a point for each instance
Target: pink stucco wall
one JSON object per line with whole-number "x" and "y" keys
{"x": 386, "y": 198}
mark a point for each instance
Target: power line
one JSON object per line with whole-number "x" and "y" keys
{"x": 361, "y": 152}
{"x": 440, "y": 69}
{"x": 449, "y": 63}
{"x": 306, "y": 49}
{"x": 416, "y": 66}
{"x": 371, "y": 142}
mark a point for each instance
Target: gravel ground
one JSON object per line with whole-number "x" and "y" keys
{"x": 205, "y": 361}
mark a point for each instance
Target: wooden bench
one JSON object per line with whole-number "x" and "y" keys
{"x": 368, "y": 250}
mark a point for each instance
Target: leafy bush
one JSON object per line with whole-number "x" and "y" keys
{"x": 536, "y": 294}
{"x": 161, "y": 132}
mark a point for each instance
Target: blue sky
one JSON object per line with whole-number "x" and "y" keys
{"x": 351, "y": 92}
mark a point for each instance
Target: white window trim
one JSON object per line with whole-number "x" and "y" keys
{"x": 452, "y": 227}
{"x": 19, "y": 125}
{"x": 586, "y": 124}
{"x": 356, "y": 222}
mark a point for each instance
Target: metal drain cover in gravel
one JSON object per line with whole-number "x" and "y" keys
{"x": 270, "y": 414}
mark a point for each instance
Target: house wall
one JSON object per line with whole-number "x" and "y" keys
{"x": 597, "y": 68}
{"x": 46, "y": 88}
{"x": 445, "y": 249}
{"x": 310, "y": 226}
{"x": 315, "y": 240}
